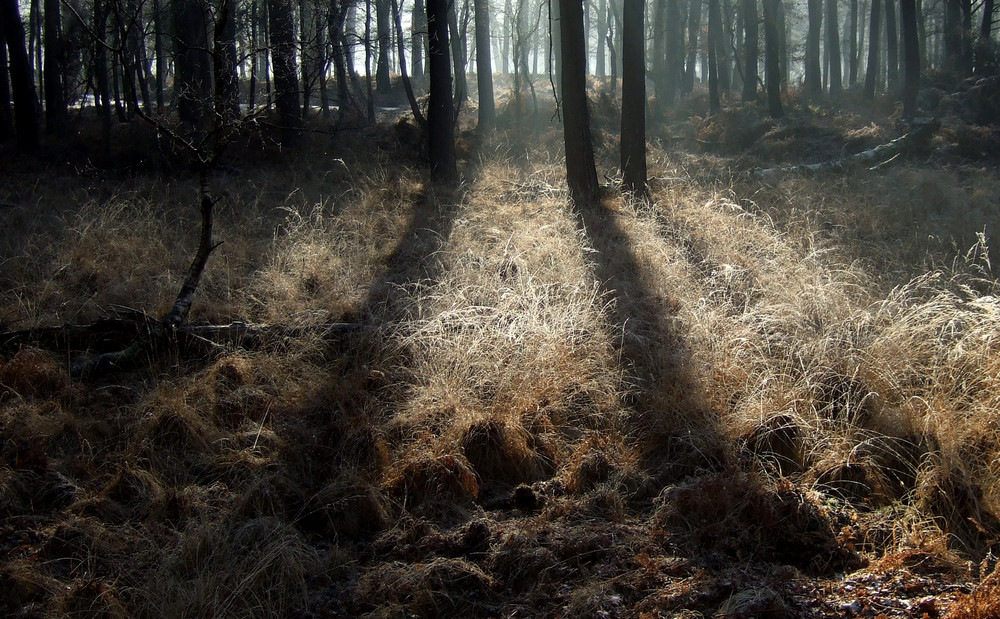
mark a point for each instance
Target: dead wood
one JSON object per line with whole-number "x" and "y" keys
{"x": 913, "y": 141}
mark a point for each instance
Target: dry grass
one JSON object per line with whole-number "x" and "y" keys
{"x": 615, "y": 411}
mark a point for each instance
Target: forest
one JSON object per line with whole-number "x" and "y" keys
{"x": 451, "y": 308}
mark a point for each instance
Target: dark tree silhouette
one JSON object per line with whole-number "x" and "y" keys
{"x": 441, "y": 111}
{"x": 382, "y": 82}
{"x": 772, "y": 69}
{"x": 751, "y": 44}
{"x": 833, "y": 44}
{"x": 633, "y": 146}
{"x": 714, "y": 42}
{"x": 418, "y": 38}
{"x": 911, "y": 57}
{"x": 6, "y": 111}
{"x": 871, "y": 75}
{"x": 21, "y": 80}
{"x": 891, "y": 46}
{"x": 286, "y": 80}
{"x": 192, "y": 63}
{"x": 694, "y": 27}
{"x": 56, "y": 116}
{"x": 484, "y": 67}
{"x": 581, "y": 175}
{"x": 813, "y": 72}
{"x": 852, "y": 78}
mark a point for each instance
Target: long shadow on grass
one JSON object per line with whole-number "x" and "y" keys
{"x": 676, "y": 431}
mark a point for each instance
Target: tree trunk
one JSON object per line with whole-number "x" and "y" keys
{"x": 985, "y": 62}
{"x": 484, "y": 67}
{"x": 286, "y": 81}
{"x": 383, "y": 82}
{"x": 158, "y": 51}
{"x": 911, "y": 57}
{"x": 675, "y": 51}
{"x": 633, "y": 146}
{"x": 21, "y": 80}
{"x": 813, "y": 77}
{"x": 581, "y": 174}
{"x": 772, "y": 69}
{"x": 714, "y": 41}
{"x": 418, "y": 39}
{"x": 602, "y": 34}
{"x": 6, "y": 111}
{"x": 658, "y": 62}
{"x": 833, "y": 43}
{"x": 694, "y": 27}
{"x": 871, "y": 75}
{"x": 457, "y": 55}
{"x": 441, "y": 113}
{"x": 418, "y": 116}
{"x": 56, "y": 115}
{"x": 750, "y": 47}
{"x": 192, "y": 63}
{"x": 852, "y": 74}
{"x": 891, "y": 46}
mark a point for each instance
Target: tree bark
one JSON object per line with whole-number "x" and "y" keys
{"x": 484, "y": 67}
{"x": 772, "y": 70}
{"x": 891, "y": 46}
{"x": 694, "y": 28}
{"x": 911, "y": 57}
{"x": 581, "y": 174}
{"x": 852, "y": 75}
{"x": 418, "y": 38}
{"x": 6, "y": 111}
{"x": 751, "y": 44}
{"x": 383, "y": 83}
{"x": 286, "y": 81}
{"x": 833, "y": 43}
{"x": 192, "y": 63}
{"x": 21, "y": 80}
{"x": 56, "y": 115}
{"x": 714, "y": 41}
{"x": 441, "y": 113}
{"x": 871, "y": 75}
{"x": 813, "y": 76}
{"x": 633, "y": 131}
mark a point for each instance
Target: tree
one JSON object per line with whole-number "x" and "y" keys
{"x": 891, "y": 45}
{"x": 833, "y": 44}
{"x": 21, "y": 80}
{"x": 871, "y": 75}
{"x": 441, "y": 111}
{"x": 56, "y": 116}
{"x": 581, "y": 174}
{"x": 6, "y": 111}
{"x": 484, "y": 67}
{"x": 911, "y": 57}
{"x": 383, "y": 84}
{"x": 852, "y": 78}
{"x": 675, "y": 50}
{"x": 984, "y": 47}
{"x": 772, "y": 70}
{"x": 813, "y": 73}
{"x": 418, "y": 38}
{"x": 694, "y": 27}
{"x": 633, "y": 146}
{"x": 714, "y": 42}
{"x": 286, "y": 81}
{"x": 192, "y": 63}
{"x": 750, "y": 46}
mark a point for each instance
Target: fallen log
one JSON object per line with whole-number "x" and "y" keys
{"x": 914, "y": 140}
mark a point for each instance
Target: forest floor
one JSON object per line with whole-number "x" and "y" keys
{"x": 741, "y": 398}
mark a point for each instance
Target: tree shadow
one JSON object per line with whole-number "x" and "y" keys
{"x": 676, "y": 431}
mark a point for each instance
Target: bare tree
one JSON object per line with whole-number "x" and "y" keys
{"x": 484, "y": 67}
{"x": 21, "y": 79}
{"x": 581, "y": 174}
{"x": 286, "y": 81}
{"x": 772, "y": 70}
{"x": 911, "y": 57}
{"x": 833, "y": 44}
{"x": 714, "y": 39}
{"x": 633, "y": 146}
{"x": 813, "y": 76}
{"x": 441, "y": 112}
{"x": 871, "y": 75}
{"x": 751, "y": 44}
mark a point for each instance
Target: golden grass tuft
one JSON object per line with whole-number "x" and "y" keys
{"x": 32, "y": 373}
{"x": 447, "y": 478}
{"x": 503, "y": 452}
